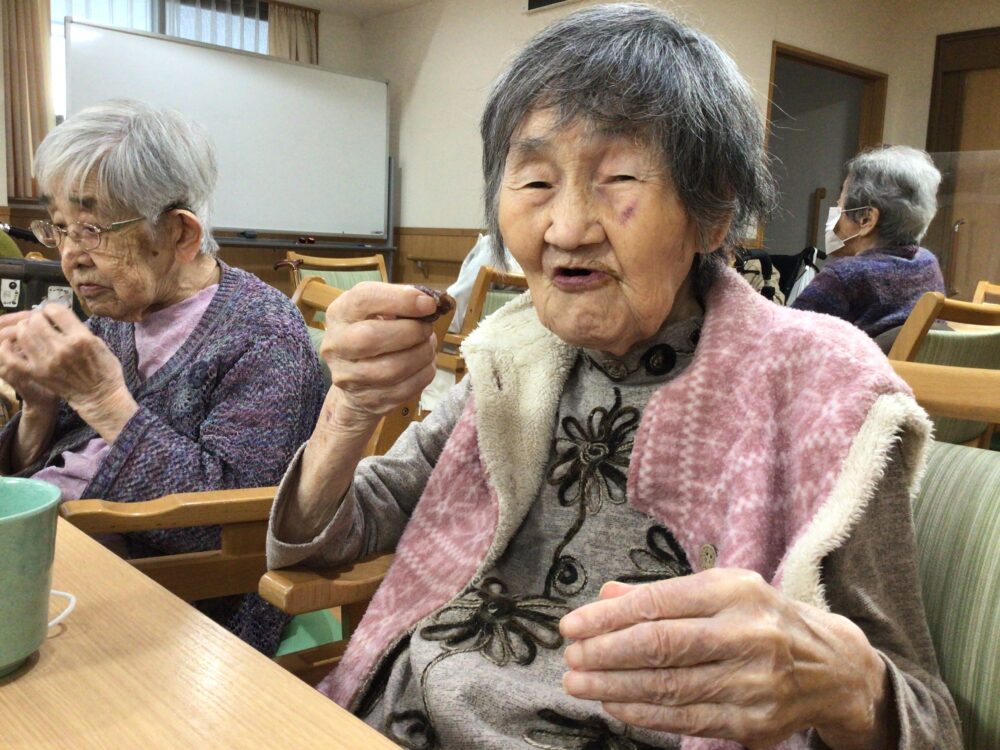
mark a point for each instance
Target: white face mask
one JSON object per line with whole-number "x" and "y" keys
{"x": 831, "y": 242}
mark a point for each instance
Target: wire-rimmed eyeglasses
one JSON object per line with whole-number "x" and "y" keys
{"x": 86, "y": 236}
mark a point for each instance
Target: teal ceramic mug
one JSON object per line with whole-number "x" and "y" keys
{"x": 28, "y": 510}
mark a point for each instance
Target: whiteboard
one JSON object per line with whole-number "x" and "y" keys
{"x": 300, "y": 148}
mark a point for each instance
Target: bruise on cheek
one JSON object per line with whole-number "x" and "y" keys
{"x": 628, "y": 213}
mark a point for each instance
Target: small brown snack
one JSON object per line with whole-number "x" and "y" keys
{"x": 445, "y": 303}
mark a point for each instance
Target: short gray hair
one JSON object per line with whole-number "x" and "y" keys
{"x": 139, "y": 158}
{"x": 633, "y": 69}
{"x": 902, "y": 183}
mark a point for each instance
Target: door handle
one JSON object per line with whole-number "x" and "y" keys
{"x": 953, "y": 256}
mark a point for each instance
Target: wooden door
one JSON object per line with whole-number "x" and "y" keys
{"x": 964, "y": 138}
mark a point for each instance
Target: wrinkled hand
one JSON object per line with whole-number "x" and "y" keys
{"x": 377, "y": 359}
{"x": 14, "y": 370}
{"x": 723, "y": 654}
{"x": 48, "y": 353}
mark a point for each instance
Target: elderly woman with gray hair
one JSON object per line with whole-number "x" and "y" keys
{"x": 190, "y": 375}
{"x": 887, "y": 201}
{"x": 655, "y": 513}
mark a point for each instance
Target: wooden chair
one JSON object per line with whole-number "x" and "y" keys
{"x": 493, "y": 289}
{"x": 235, "y": 568}
{"x": 986, "y": 292}
{"x": 957, "y": 392}
{"x": 341, "y": 273}
{"x": 299, "y": 590}
{"x": 976, "y": 347}
{"x": 240, "y": 565}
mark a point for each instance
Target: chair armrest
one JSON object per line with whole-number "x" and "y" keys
{"x": 453, "y": 339}
{"x": 298, "y": 590}
{"x": 171, "y": 511}
{"x": 958, "y": 392}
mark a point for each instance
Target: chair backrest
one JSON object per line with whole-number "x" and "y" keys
{"x": 9, "y": 248}
{"x": 957, "y": 517}
{"x": 493, "y": 289}
{"x": 978, "y": 348}
{"x": 986, "y": 292}
{"x": 342, "y": 273}
{"x": 934, "y": 306}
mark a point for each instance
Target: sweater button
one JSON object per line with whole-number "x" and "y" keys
{"x": 707, "y": 556}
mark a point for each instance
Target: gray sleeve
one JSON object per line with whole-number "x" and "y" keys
{"x": 380, "y": 500}
{"x": 872, "y": 579}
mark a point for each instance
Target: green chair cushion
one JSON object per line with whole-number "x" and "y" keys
{"x": 339, "y": 279}
{"x": 9, "y": 248}
{"x": 960, "y": 349}
{"x": 308, "y": 631}
{"x": 957, "y": 516}
{"x": 497, "y": 298}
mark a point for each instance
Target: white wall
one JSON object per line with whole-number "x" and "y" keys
{"x": 440, "y": 58}
{"x": 342, "y": 44}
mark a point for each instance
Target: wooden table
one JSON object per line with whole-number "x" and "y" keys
{"x": 135, "y": 667}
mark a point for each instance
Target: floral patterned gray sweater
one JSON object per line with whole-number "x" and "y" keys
{"x": 228, "y": 410}
{"x": 481, "y": 667}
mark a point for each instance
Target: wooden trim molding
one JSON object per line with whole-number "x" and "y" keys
{"x": 954, "y": 55}
{"x": 431, "y": 231}
{"x": 872, "y": 120}
{"x": 822, "y": 61}
{"x": 432, "y": 256}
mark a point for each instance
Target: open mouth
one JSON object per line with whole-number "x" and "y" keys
{"x": 568, "y": 277}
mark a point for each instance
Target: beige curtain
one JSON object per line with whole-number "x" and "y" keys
{"x": 293, "y": 32}
{"x": 28, "y": 103}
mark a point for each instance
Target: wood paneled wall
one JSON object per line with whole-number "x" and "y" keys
{"x": 432, "y": 256}
{"x": 425, "y": 255}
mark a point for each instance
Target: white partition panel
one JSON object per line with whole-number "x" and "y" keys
{"x": 301, "y": 148}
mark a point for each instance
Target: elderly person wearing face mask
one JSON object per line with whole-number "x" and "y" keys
{"x": 652, "y": 476}
{"x": 191, "y": 375}
{"x": 888, "y": 200}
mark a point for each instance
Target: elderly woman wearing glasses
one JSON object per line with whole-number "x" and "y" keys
{"x": 191, "y": 375}
{"x": 660, "y": 511}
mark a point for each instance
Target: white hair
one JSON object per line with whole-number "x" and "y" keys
{"x": 133, "y": 158}
{"x": 902, "y": 183}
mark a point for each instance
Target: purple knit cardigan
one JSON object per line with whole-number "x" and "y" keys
{"x": 228, "y": 410}
{"x": 875, "y": 290}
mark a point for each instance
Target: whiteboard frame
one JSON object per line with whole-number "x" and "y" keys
{"x": 385, "y": 235}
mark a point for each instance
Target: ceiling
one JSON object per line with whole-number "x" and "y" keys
{"x": 363, "y": 10}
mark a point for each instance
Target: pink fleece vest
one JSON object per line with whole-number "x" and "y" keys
{"x": 740, "y": 452}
